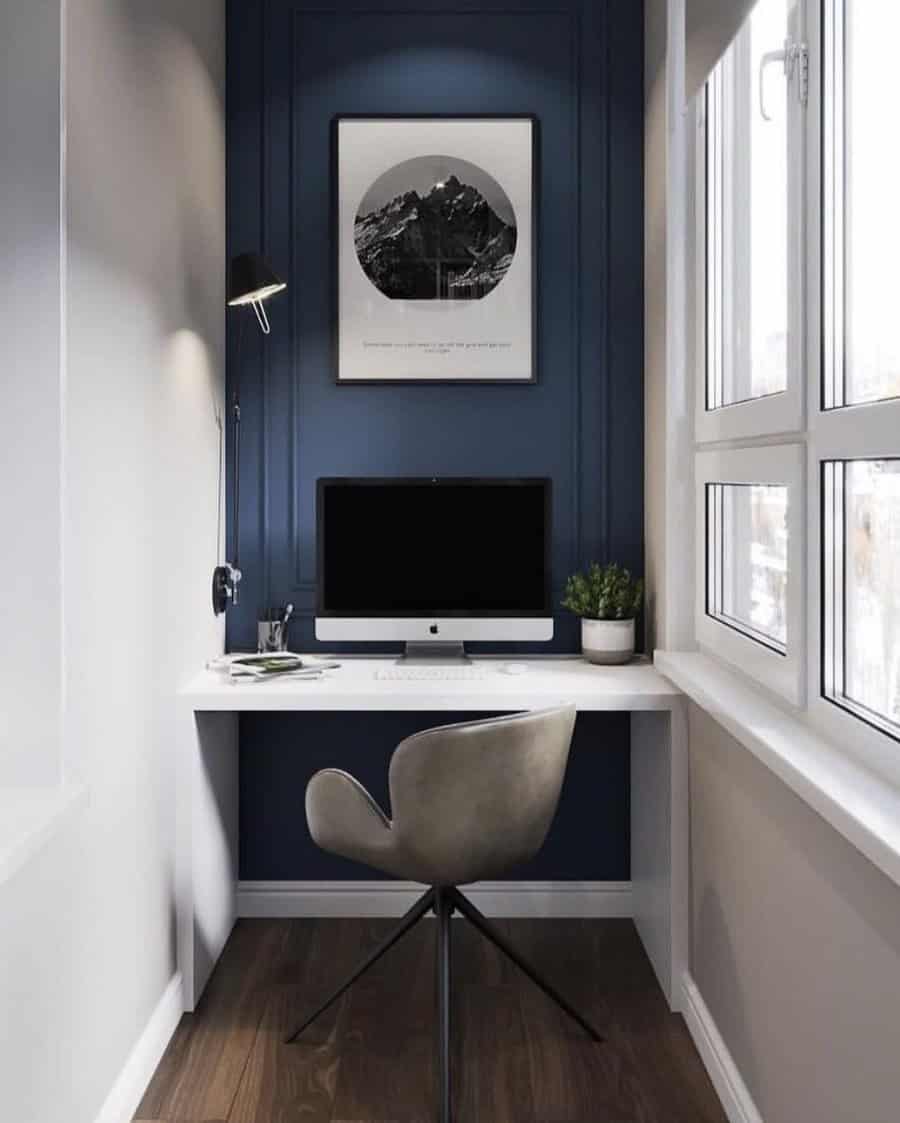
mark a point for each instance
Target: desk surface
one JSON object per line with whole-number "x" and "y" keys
{"x": 353, "y": 686}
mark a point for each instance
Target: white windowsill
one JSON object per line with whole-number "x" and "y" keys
{"x": 858, "y": 803}
{"x": 29, "y": 817}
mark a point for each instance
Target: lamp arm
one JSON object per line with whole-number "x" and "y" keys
{"x": 251, "y": 281}
{"x": 261, "y": 318}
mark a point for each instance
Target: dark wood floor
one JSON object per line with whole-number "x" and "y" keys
{"x": 517, "y": 1059}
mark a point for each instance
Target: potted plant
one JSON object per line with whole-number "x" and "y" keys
{"x": 607, "y": 598}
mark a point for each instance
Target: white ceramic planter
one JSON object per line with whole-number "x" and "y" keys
{"x": 607, "y": 641}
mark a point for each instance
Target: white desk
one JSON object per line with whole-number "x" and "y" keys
{"x": 206, "y": 864}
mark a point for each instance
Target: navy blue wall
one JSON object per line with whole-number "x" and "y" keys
{"x": 293, "y": 65}
{"x": 589, "y": 839}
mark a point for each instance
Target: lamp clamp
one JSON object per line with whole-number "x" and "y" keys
{"x": 226, "y": 580}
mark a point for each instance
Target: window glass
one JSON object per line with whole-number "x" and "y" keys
{"x": 871, "y": 176}
{"x": 747, "y": 559}
{"x": 863, "y": 590}
{"x": 747, "y": 214}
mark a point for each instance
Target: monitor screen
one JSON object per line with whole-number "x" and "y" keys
{"x": 425, "y": 547}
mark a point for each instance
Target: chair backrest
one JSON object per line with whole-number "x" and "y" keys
{"x": 470, "y": 801}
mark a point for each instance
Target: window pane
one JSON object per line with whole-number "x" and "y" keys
{"x": 864, "y": 600}
{"x": 747, "y": 559}
{"x": 872, "y": 188}
{"x": 747, "y": 215}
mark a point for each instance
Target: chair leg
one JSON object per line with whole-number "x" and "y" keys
{"x": 444, "y": 912}
{"x": 415, "y": 914}
{"x": 489, "y": 930}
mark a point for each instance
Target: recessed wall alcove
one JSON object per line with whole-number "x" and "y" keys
{"x": 292, "y": 66}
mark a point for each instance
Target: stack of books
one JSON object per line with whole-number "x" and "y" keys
{"x": 270, "y": 665}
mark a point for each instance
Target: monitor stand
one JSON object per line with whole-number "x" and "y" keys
{"x": 435, "y": 654}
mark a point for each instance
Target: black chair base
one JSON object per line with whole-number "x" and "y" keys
{"x": 444, "y": 901}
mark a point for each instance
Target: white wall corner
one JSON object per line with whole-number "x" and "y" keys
{"x": 669, "y": 342}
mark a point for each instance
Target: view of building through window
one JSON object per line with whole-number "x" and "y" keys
{"x": 872, "y": 585}
{"x": 748, "y": 562}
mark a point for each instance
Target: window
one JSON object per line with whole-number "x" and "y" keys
{"x": 856, "y": 437}
{"x": 746, "y": 575}
{"x": 750, "y": 499}
{"x": 752, "y": 187}
{"x": 747, "y": 193}
{"x": 750, "y": 514}
{"x": 862, "y": 219}
{"x": 797, "y": 250}
{"x": 861, "y": 527}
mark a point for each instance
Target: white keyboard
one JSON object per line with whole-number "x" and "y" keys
{"x": 430, "y": 674}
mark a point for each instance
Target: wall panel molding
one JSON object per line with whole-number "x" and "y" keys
{"x": 501, "y": 899}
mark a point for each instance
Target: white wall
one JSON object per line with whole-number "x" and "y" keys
{"x": 91, "y": 949}
{"x": 795, "y": 943}
{"x": 668, "y": 381}
{"x": 30, "y": 592}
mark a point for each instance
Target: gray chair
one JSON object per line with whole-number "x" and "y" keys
{"x": 469, "y": 802}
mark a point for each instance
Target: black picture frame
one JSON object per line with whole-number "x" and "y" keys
{"x": 336, "y": 121}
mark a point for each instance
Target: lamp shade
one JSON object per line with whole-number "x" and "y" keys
{"x": 251, "y": 279}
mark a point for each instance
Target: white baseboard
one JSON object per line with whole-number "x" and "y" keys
{"x": 392, "y": 898}
{"x": 122, "y": 1102}
{"x": 723, "y": 1072}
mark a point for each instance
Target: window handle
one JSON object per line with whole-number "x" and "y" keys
{"x": 768, "y": 59}
{"x": 794, "y": 58}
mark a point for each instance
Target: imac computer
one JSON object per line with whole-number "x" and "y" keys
{"x": 433, "y": 562}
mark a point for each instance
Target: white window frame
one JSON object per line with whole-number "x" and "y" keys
{"x": 784, "y": 412}
{"x": 782, "y": 465}
{"x": 868, "y": 740}
{"x": 865, "y": 431}
{"x": 745, "y": 442}
{"x": 869, "y": 430}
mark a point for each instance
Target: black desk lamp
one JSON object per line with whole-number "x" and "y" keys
{"x": 250, "y": 281}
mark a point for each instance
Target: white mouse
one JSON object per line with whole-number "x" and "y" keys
{"x": 514, "y": 668}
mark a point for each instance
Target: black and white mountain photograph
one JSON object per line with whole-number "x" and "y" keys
{"x": 435, "y": 228}
{"x": 435, "y": 255}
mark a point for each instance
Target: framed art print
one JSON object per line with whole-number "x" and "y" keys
{"x": 435, "y": 245}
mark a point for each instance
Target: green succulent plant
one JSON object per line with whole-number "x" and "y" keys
{"x": 604, "y": 592}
